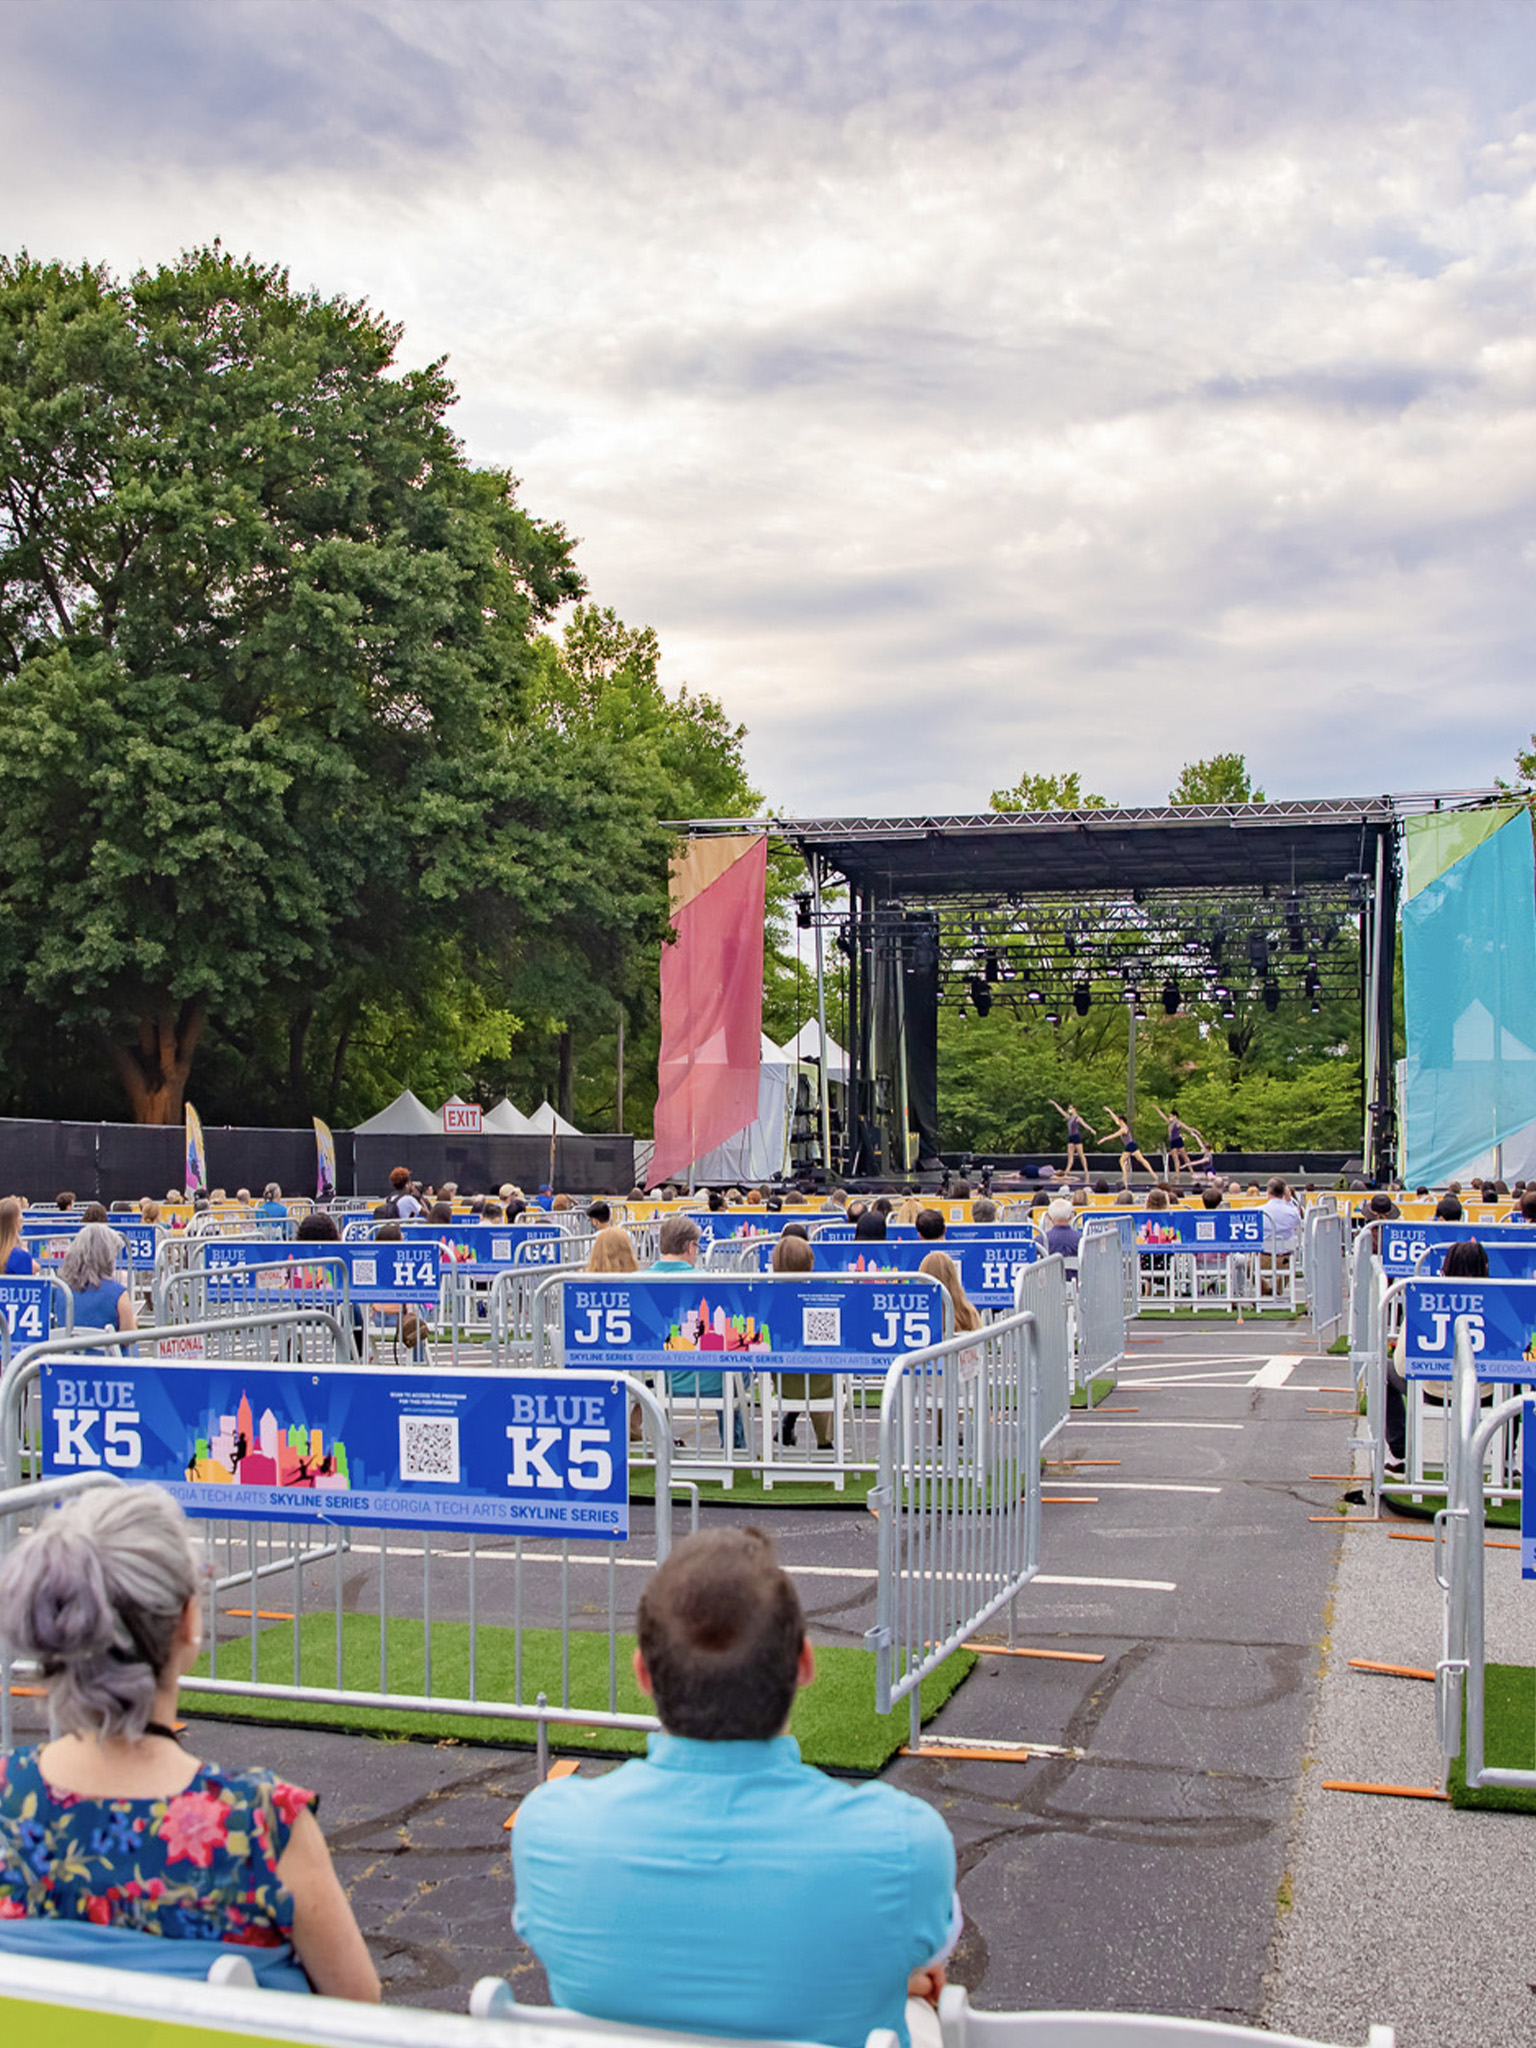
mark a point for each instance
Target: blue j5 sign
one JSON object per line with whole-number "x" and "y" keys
{"x": 504, "y": 1452}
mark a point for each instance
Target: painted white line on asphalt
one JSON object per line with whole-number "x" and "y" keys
{"x": 1203, "y": 1379}
{"x": 1127, "y": 1585}
{"x": 1132, "y": 1486}
{"x": 1278, "y": 1370}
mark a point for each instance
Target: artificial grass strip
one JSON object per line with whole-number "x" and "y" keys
{"x": 834, "y": 1720}
{"x": 1083, "y": 1397}
{"x": 1509, "y": 1741}
{"x": 749, "y": 1491}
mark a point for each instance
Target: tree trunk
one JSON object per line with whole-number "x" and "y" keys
{"x": 566, "y": 1090}
{"x": 154, "y": 1072}
{"x": 339, "y": 1066}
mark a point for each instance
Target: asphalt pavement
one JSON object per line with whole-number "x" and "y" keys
{"x": 1168, "y": 1860}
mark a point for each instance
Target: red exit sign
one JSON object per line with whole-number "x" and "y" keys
{"x": 462, "y": 1119}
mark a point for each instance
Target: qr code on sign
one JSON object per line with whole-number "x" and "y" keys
{"x": 821, "y": 1326}
{"x": 429, "y": 1448}
{"x": 365, "y": 1272}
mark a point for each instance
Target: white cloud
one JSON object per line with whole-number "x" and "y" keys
{"x": 955, "y": 390}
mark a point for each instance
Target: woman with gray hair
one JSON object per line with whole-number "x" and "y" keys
{"x": 101, "y": 1301}
{"x": 117, "y": 1846}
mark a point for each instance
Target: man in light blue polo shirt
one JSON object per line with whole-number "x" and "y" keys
{"x": 722, "y": 1886}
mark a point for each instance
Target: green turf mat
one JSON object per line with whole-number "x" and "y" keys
{"x": 749, "y": 1491}
{"x": 1339, "y": 1348}
{"x": 1101, "y": 1389}
{"x": 834, "y": 1720}
{"x": 1509, "y": 1740}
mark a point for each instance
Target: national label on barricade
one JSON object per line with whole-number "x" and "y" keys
{"x": 713, "y": 1320}
{"x": 1499, "y": 1317}
{"x": 511, "y": 1452}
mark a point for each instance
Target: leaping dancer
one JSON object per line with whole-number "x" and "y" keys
{"x": 1075, "y": 1130}
{"x": 1129, "y": 1149}
{"x": 1178, "y": 1152}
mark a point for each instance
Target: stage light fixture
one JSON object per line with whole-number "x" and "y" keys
{"x": 1271, "y": 996}
{"x": 1312, "y": 981}
{"x": 1053, "y": 1017}
{"x": 1069, "y": 940}
{"x": 981, "y": 995}
{"x": 1171, "y": 996}
{"x": 1258, "y": 951}
{"x": 1358, "y": 885}
{"x": 803, "y": 912}
{"x": 991, "y": 967}
{"x": 1218, "y": 941}
{"x": 1330, "y": 932}
{"x": 844, "y": 942}
{"x": 1035, "y": 996}
{"x": 1081, "y": 998}
{"x": 1294, "y": 930}
{"x": 1317, "y": 1009}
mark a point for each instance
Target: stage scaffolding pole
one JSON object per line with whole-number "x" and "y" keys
{"x": 821, "y": 1017}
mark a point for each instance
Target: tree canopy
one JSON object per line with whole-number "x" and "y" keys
{"x": 1223, "y": 779}
{"x": 1047, "y": 793}
{"x": 271, "y": 739}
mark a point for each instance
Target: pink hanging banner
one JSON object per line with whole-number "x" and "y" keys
{"x": 711, "y": 1000}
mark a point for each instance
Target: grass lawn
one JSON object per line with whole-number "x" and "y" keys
{"x": 1509, "y": 1739}
{"x": 834, "y": 1720}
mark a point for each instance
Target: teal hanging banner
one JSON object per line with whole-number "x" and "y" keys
{"x": 1469, "y": 986}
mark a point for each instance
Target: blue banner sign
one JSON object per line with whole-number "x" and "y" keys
{"x": 1528, "y": 1491}
{"x": 722, "y": 1321}
{"x": 140, "y": 1241}
{"x": 488, "y": 1247}
{"x": 387, "y": 1273}
{"x": 1500, "y": 1317}
{"x": 989, "y": 1267}
{"x": 513, "y": 1453}
{"x": 1199, "y": 1230}
{"x": 905, "y": 1233}
{"x": 27, "y": 1305}
{"x": 1402, "y": 1244}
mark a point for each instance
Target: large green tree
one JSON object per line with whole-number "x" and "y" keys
{"x": 1047, "y": 792}
{"x": 267, "y": 734}
{"x": 1223, "y": 779}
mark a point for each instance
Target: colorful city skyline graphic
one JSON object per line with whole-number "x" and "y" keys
{"x": 704, "y": 1329}
{"x": 238, "y": 1451}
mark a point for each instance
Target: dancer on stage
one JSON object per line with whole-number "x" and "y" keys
{"x": 1075, "y": 1130}
{"x": 1197, "y": 1151}
{"x": 1177, "y": 1152}
{"x": 1129, "y": 1149}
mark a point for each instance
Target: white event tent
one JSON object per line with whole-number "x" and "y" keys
{"x": 406, "y": 1116}
{"x": 546, "y": 1119}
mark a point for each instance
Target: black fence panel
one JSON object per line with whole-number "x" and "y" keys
{"x": 240, "y": 1157}
{"x": 41, "y": 1160}
{"x": 578, "y": 1166}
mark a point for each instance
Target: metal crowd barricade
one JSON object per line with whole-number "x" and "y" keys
{"x": 517, "y": 1301}
{"x": 26, "y": 1500}
{"x": 1041, "y": 1290}
{"x": 709, "y": 1447}
{"x": 1460, "y": 1560}
{"x": 1327, "y": 1241}
{"x": 526, "y": 1587}
{"x": 958, "y": 1498}
{"x": 1099, "y": 1347}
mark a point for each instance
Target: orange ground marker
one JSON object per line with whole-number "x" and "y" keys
{"x": 1077, "y": 1464}
{"x": 1069, "y": 1500}
{"x": 1348, "y": 1521}
{"x": 1423, "y": 1536}
{"x": 959, "y": 1753}
{"x": 1051, "y": 1656}
{"x": 29, "y": 1692}
{"x": 1332, "y": 1411}
{"x": 1386, "y": 1791}
{"x": 1338, "y": 1475}
{"x": 261, "y": 1614}
{"x": 1391, "y": 1670}
{"x": 1114, "y": 1411}
{"x": 565, "y": 1767}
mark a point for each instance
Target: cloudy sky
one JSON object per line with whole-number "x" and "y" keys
{"x": 957, "y": 389}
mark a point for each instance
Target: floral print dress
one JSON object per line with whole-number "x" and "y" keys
{"x": 196, "y": 1865}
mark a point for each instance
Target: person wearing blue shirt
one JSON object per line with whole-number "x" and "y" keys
{"x": 272, "y": 1203}
{"x": 720, "y": 1885}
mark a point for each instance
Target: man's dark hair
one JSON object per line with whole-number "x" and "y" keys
{"x": 1211, "y": 1198}
{"x": 600, "y": 1212}
{"x": 317, "y": 1226}
{"x": 1448, "y": 1210}
{"x": 1465, "y": 1261}
{"x": 1528, "y": 1205}
{"x": 66, "y": 1199}
{"x": 721, "y": 1630}
{"x": 929, "y": 1223}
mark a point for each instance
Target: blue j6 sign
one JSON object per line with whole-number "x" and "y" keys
{"x": 505, "y": 1452}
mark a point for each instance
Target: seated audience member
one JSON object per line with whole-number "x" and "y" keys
{"x": 599, "y": 1213}
{"x": 1062, "y": 1237}
{"x": 101, "y": 1302}
{"x": 677, "y": 1246}
{"x": 941, "y": 1267}
{"x": 1381, "y": 1208}
{"x": 440, "y": 1211}
{"x": 930, "y": 1223}
{"x": 66, "y": 1201}
{"x": 721, "y": 1886}
{"x": 149, "y": 1211}
{"x": 271, "y": 1203}
{"x": 319, "y": 1227}
{"x": 870, "y": 1225}
{"x": 116, "y": 1845}
{"x": 1157, "y": 1198}
{"x": 793, "y": 1254}
{"x": 494, "y": 1213}
{"x": 1448, "y": 1210}
{"x": 14, "y": 1256}
{"x": 95, "y": 1212}
{"x": 983, "y": 1210}
{"x": 1282, "y": 1218}
{"x": 613, "y": 1251}
{"x": 1528, "y": 1206}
